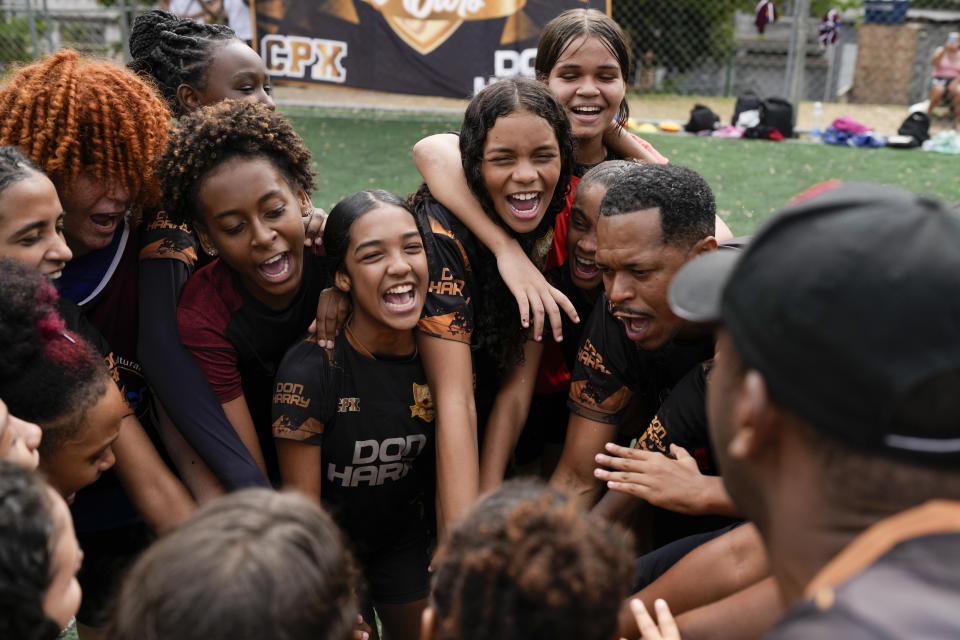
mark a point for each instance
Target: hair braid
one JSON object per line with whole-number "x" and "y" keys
{"x": 174, "y": 51}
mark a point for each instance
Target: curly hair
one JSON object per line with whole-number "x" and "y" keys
{"x": 687, "y": 207}
{"x": 72, "y": 115}
{"x": 48, "y": 375}
{"x": 14, "y": 166}
{"x": 254, "y": 564}
{"x": 172, "y": 51}
{"x": 26, "y": 554}
{"x": 501, "y": 333}
{"x": 560, "y": 32}
{"x": 528, "y": 564}
{"x": 213, "y": 135}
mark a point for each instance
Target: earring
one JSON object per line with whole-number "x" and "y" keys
{"x": 307, "y": 212}
{"x": 212, "y": 252}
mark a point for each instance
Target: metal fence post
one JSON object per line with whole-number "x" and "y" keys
{"x": 798, "y": 53}
{"x": 124, "y": 27}
{"x": 34, "y": 39}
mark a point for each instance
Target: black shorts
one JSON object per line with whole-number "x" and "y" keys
{"x": 398, "y": 573}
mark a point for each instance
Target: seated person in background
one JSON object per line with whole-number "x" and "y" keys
{"x": 254, "y": 564}
{"x": 39, "y": 558}
{"x": 840, "y": 442}
{"x": 652, "y": 220}
{"x": 526, "y": 563}
{"x": 946, "y": 76}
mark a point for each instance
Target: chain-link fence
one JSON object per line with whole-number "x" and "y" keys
{"x": 33, "y": 28}
{"x": 865, "y": 51}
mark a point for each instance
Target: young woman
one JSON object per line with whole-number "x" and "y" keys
{"x": 239, "y": 314}
{"x": 584, "y": 58}
{"x": 535, "y": 392}
{"x": 193, "y": 65}
{"x": 354, "y": 425}
{"x": 39, "y": 558}
{"x": 518, "y": 153}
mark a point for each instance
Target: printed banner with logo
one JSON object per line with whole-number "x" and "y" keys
{"x": 428, "y": 47}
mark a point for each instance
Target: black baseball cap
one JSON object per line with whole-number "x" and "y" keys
{"x": 849, "y": 305}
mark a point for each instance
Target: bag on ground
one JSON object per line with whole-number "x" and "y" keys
{"x": 702, "y": 118}
{"x": 747, "y": 101}
{"x": 777, "y": 113}
{"x": 916, "y": 125}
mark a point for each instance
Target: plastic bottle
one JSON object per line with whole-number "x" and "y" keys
{"x": 816, "y": 133}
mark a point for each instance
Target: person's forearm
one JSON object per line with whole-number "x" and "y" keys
{"x": 178, "y": 383}
{"x": 156, "y": 493}
{"x": 437, "y": 158}
{"x": 458, "y": 469}
{"x": 615, "y": 506}
{"x": 712, "y": 571}
{"x": 746, "y": 615}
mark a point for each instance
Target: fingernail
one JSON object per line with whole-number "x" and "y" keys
{"x": 359, "y": 618}
{"x": 636, "y": 604}
{"x": 609, "y": 446}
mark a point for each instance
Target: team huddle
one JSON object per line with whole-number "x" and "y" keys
{"x": 547, "y": 395}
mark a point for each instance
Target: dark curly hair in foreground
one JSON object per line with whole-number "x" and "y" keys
{"x": 254, "y": 564}
{"x": 26, "y": 555}
{"x": 528, "y": 564}
{"x": 213, "y": 135}
{"x": 172, "y": 51}
{"x": 48, "y": 375}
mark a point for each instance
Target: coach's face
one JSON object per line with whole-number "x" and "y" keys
{"x": 637, "y": 267}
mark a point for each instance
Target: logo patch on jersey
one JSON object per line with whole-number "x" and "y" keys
{"x": 589, "y": 356}
{"x": 290, "y": 393}
{"x": 348, "y": 405}
{"x": 653, "y": 438}
{"x": 447, "y": 285}
{"x": 309, "y": 429}
{"x": 422, "y": 406}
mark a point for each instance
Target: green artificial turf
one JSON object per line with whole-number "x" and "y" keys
{"x": 751, "y": 178}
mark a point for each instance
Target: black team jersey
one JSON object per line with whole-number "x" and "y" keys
{"x": 238, "y": 341}
{"x": 448, "y": 312}
{"x": 611, "y": 370}
{"x": 373, "y": 418}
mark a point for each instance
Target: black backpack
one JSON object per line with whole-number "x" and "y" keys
{"x": 917, "y": 125}
{"x": 747, "y": 101}
{"x": 702, "y": 118}
{"x": 777, "y": 113}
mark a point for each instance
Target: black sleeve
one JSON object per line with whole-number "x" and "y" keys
{"x": 606, "y": 369}
{"x": 179, "y": 384}
{"x": 447, "y": 311}
{"x": 302, "y": 393}
{"x": 682, "y": 418}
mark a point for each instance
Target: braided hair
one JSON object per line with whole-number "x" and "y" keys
{"x": 48, "y": 375}
{"x": 215, "y": 134}
{"x": 174, "y": 51}
{"x": 72, "y": 116}
{"x": 528, "y": 564}
{"x": 27, "y": 540}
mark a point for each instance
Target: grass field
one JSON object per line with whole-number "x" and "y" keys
{"x": 751, "y": 178}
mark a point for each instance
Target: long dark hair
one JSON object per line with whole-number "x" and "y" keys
{"x": 500, "y": 332}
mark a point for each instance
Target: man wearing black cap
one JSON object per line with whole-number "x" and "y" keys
{"x": 834, "y": 406}
{"x": 634, "y": 348}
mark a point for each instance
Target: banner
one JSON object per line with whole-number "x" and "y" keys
{"x": 449, "y": 48}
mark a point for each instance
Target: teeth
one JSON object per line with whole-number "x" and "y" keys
{"x": 525, "y": 196}
{"x": 587, "y": 109}
{"x": 400, "y": 288}
{"x": 273, "y": 259}
{"x": 586, "y": 262}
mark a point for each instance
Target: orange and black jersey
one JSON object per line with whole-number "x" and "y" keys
{"x": 452, "y": 295}
{"x": 238, "y": 342}
{"x": 373, "y": 417}
{"x": 161, "y": 238}
{"x": 610, "y": 369}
